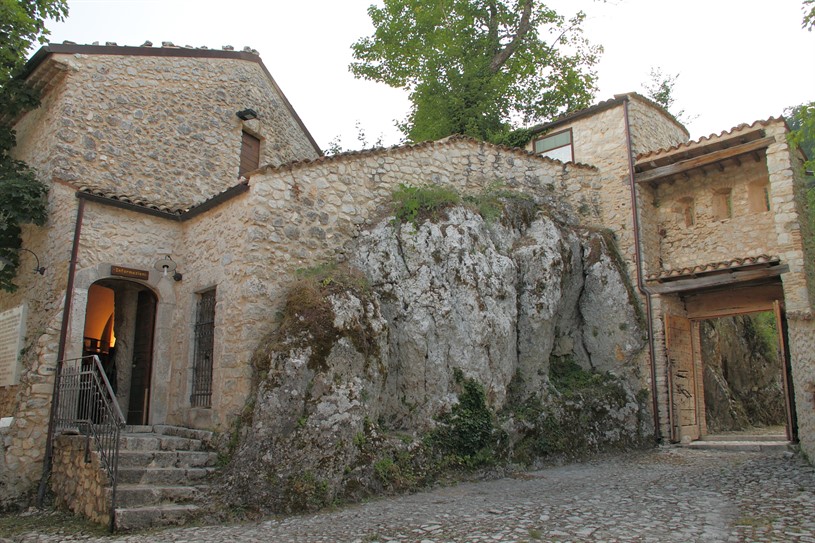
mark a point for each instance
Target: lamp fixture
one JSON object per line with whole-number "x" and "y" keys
{"x": 168, "y": 266}
{"x": 247, "y": 114}
{"x": 5, "y": 261}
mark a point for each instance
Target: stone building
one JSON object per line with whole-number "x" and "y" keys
{"x": 185, "y": 192}
{"x": 709, "y": 228}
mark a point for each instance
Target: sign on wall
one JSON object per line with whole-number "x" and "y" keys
{"x": 12, "y": 332}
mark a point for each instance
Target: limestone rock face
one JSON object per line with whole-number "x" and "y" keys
{"x": 450, "y": 300}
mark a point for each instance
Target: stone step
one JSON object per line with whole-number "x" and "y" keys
{"x": 135, "y": 495}
{"x": 745, "y": 437}
{"x": 169, "y": 430}
{"x": 163, "y": 476}
{"x": 167, "y": 459}
{"x": 204, "y": 436}
{"x": 741, "y": 446}
{"x": 152, "y": 442}
{"x": 139, "y": 518}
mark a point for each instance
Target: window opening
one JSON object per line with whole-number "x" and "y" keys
{"x": 723, "y": 204}
{"x": 557, "y": 146}
{"x": 250, "y": 153}
{"x": 686, "y": 210}
{"x": 758, "y": 194}
{"x": 201, "y": 395}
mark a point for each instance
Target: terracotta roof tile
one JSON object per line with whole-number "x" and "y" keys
{"x": 707, "y": 139}
{"x": 600, "y": 106}
{"x": 712, "y": 267}
{"x": 171, "y": 209}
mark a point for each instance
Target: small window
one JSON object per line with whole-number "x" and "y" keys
{"x": 250, "y": 154}
{"x": 723, "y": 204}
{"x": 758, "y": 194}
{"x": 686, "y": 210}
{"x": 557, "y": 146}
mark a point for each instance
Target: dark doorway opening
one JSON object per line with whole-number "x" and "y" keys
{"x": 119, "y": 328}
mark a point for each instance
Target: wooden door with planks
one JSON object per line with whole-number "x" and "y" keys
{"x": 682, "y": 373}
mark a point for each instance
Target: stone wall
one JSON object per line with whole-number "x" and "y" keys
{"x": 158, "y": 130}
{"x": 748, "y": 232}
{"x": 28, "y": 403}
{"x": 79, "y": 486}
{"x": 802, "y": 352}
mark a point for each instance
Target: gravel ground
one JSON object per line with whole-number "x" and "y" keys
{"x": 665, "y": 495}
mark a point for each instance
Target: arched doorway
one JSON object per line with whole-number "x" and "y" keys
{"x": 120, "y": 319}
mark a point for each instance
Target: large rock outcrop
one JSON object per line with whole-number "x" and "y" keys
{"x": 466, "y": 342}
{"x": 742, "y": 373}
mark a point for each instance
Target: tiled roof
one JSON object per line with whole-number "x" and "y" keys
{"x": 377, "y": 151}
{"x": 600, "y": 106}
{"x": 177, "y": 210}
{"x": 713, "y": 267}
{"x": 705, "y": 140}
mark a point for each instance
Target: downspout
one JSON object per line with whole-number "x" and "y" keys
{"x": 640, "y": 283}
{"x": 63, "y": 337}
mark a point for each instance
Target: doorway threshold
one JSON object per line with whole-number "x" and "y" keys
{"x": 756, "y": 439}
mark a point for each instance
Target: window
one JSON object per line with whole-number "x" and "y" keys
{"x": 722, "y": 204}
{"x": 201, "y": 395}
{"x": 250, "y": 154}
{"x": 557, "y": 146}
{"x": 758, "y": 196}
{"x": 686, "y": 211}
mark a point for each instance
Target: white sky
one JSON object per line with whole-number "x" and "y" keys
{"x": 738, "y": 60}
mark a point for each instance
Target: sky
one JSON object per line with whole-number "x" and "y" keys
{"x": 737, "y": 60}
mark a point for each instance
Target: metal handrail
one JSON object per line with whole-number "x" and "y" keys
{"x": 87, "y": 404}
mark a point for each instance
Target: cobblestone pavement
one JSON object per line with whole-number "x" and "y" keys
{"x": 665, "y": 495}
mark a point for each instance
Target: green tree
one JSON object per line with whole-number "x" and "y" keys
{"x": 660, "y": 89}
{"x": 477, "y": 67}
{"x": 809, "y": 15}
{"x": 22, "y": 196}
{"x": 801, "y": 120}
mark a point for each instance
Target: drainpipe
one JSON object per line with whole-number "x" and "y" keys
{"x": 63, "y": 337}
{"x": 640, "y": 283}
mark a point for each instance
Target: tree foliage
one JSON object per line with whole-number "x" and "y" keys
{"x": 660, "y": 89}
{"x": 477, "y": 67}
{"x": 801, "y": 120}
{"x": 808, "y": 22}
{"x": 22, "y": 196}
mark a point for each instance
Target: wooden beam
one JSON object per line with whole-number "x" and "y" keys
{"x": 699, "y": 161}
{"x": 718, "y": 280}
{"x": 735, "y": 301}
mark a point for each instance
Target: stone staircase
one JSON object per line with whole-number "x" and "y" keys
{"x": 162, "y": 471}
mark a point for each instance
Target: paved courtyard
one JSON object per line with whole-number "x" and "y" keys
{"x": 666, "y": 495}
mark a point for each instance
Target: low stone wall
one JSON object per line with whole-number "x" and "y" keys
{"x": 79, "y": 486}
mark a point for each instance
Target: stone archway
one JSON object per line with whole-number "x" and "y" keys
{"x": 150, "y": 403}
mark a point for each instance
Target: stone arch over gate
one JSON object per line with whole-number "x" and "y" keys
{"x": 161, "y": 288}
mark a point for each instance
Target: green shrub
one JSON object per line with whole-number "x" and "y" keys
{"x": 467, "y": 436}
{"x": 413, "y": 203}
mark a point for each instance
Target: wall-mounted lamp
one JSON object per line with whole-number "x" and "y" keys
{"x": 6, "y": 262}
{"x": 168, "y": 266}
{"x": 247, "y": 114}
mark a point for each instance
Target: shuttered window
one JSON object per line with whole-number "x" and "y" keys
{"x": 250, "y": 154}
